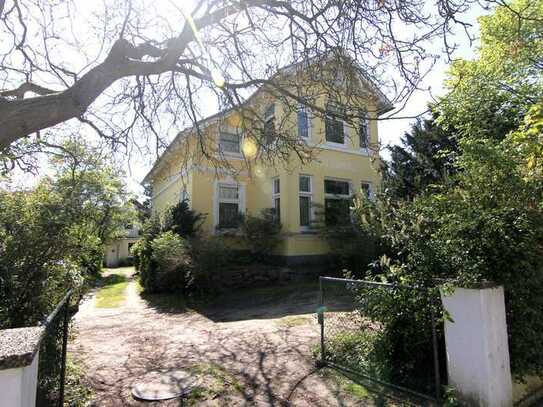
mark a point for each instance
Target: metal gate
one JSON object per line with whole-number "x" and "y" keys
{"x": 368, "y": 328}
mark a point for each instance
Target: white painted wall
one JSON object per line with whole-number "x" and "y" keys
{"x": 18, "y": 386}
{"x": 477, "y": 350}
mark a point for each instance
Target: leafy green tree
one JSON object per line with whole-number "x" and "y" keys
{"x": 52, "y": 236}
{"x": 489, "y": 96}
{"x": 485, "y": 225}
{"x": 426, "y": 157}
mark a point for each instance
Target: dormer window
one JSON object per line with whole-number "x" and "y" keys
{"x": 364, "y": 130}
{"x": 229, "y": 142}
{"x": 269, "y": 123}
{"x": 334, "y": 126}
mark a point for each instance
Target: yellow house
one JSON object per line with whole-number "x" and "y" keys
{"x": 303, "y": 146}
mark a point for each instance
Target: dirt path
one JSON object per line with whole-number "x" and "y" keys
{"x": 255, "y": 351}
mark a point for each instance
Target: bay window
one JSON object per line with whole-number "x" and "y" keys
{"x": 305, "y": 195}
{"x": 228, "y": 206}
{"x": 276, "y": 196}
{"x": 337, "y": 202}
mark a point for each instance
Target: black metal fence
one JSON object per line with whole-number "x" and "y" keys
{"x": 52, "y": 362}
{"x": 382, "y": 332}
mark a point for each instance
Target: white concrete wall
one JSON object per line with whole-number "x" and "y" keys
{"x": 18, "y": 386}
{"x": 477, "y": 349}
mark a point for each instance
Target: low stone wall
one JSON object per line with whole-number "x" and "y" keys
{"x": 255, "y": 275}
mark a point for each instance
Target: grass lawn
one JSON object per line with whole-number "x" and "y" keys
{"x": 115, "y": 282}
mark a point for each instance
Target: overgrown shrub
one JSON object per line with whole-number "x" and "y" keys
{"x": 143, "y": 253}
{"x": 486, "y": 226}
{"x": 170, "y": 237}
{"x": 261, "y": 233}
{"x": 210, "y": 256}
{"x": 171, "y": 255}
{"x": 183, "y": 221}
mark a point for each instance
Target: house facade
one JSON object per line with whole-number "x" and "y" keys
{"x": 118, "y": 251}
{"x": 327, "y": 150}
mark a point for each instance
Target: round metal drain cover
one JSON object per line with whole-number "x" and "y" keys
{"x": 163, "y": 385}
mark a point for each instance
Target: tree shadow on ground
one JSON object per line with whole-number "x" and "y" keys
{"x": 270, "y": 302}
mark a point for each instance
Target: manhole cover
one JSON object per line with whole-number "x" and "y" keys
{"x": 163, "y": 385}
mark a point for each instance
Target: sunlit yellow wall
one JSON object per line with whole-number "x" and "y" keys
{"x": 349, "y": 163}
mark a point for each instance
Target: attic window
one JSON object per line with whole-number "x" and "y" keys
{"x": 229, "y": 142}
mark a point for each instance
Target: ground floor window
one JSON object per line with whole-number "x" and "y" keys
{"x": 305, "y": 195}
{"x": 276, "y": 194}
{"x": 229, "y": 206}
{"x": 337, "y": 202}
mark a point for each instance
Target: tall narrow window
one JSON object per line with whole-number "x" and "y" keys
{"x": 229, "y": 207}
{"x": 364, "y": 130}
{"x": 229, "y": 142}
{"x": 305, "y": 191}
{"x": 334, "y": 127}
{"x": 276, "y": 196}
{"x": 303, "y": 122}
{"x": 269, "y": 124}
{"x": 337, "y": 202}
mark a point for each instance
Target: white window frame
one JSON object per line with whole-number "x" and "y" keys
{"x": 216, "y": 201}
{"x": 276, "y": 195}
{"x": 364, "y": 121}
{"x": 308, "y": 194}
{"x": 304, "y": 108}
{"x": 345, "y": 130}
{"x": 230, "y": 154}
{"x": 338, "y": 196}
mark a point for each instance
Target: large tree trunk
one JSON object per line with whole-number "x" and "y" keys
{"x": 21, "y": 117}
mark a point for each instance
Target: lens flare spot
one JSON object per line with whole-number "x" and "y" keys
{"x": 217, "y": 77}
{"x": 249, "y": 148}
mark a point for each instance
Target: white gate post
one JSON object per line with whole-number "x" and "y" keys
{"x": 19, "y": 366}
{"x": 477, "y": 350}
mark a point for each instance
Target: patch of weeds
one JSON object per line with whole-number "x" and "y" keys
{"x": 293, "y": 321}
{"x": 76, "y": 392}
{"x": 362, "y": 351}
{"x": 112, "y": 294}
{"x": 216, "y": 382}
{"x": 346, "y": 385}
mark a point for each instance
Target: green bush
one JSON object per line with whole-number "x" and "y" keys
{"x": 210, "y": 257}
{"x": 183, "y": 221}
{"x": 171, "y": 254}
{"x": 143, "y": 253}
{"x": 261, "y": 233}
{"x": 362, "y": 351}
{"x": 486, "y": 226}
